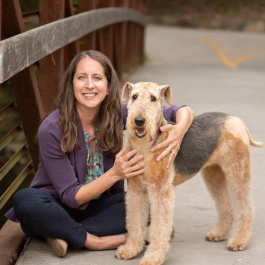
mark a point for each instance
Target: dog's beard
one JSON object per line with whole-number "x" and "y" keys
{"x": 154, "y": 130}
{"x": 153, "y": 133}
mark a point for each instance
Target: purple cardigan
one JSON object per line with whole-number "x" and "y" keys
{"x": 63, "y": 174}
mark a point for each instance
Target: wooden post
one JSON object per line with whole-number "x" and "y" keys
{"x": 120, "y": 41}
{"x": 51, "y": 67}
{"x": 1, "y": 20}
{"x": 105, "y": 35}
{"x": 142, "y": 10}
{"x": 129, "y": 54}
{"x": 135, "y": 36}
{"x": 87, "y": 42}
{"x": 71, "y": 49}
{"x": 128, "y": 45}
{"x": 24, "y": 83}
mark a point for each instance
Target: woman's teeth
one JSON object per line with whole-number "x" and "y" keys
{"x": 89, "y": 95}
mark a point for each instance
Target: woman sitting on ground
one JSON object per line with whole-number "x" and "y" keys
{"x": 76, "y": 197}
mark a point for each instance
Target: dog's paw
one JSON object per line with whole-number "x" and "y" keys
{"x": 151, "y": 259}
{"x": 236, "y": 245}
{"x": 128, "y": 251}
{"x": 216, "y": 235}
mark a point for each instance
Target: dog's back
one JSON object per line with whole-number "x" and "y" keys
{"x": 199, "y": 142}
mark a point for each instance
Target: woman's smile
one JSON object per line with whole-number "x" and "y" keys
{"x": 90, "y": 96}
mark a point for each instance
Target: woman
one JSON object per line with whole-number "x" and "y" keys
{"x": 76, "y": 195}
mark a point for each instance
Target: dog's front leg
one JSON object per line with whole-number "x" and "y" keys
{"x": 137, "y": 214}
{"x": 162, "y": 204}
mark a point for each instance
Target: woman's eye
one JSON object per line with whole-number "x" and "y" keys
{"x": 153, "y": 98}
{"x": 98, "y": 78}
{"x": 81, "y": 77}
{"x": 134, "y": 97}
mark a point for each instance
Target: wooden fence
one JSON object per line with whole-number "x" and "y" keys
{"x": 32, "y": 63}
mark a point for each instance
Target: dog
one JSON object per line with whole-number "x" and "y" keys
{"x": 216, "y": 144}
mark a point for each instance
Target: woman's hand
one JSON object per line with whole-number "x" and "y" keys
{"x": 125, "y": 165}
{"x": 184, "y": 118}
{"x": 172, "y": 143}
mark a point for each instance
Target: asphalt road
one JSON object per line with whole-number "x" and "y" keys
{"x": 209, "y": 71}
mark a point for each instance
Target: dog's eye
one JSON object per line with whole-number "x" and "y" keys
{"x": 153, "y": 98}
{"x": 134, "y": 97}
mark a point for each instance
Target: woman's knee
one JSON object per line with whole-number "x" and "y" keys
{"x": 27, "y": 200}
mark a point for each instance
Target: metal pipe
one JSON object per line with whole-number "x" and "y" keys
{"x": 29, "y": 16}
{"x": 10, "y": 136}
{"x": 7, "y": 110}
{"x": 13, "y": 160}
{"x": 15, "y": 184}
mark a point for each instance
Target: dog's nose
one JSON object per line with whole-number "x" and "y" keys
{"x": 139, "y": 121}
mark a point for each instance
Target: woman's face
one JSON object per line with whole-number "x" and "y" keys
{"x": 90, "y": 84}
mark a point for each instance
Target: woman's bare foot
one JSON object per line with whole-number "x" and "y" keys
{"x": 105, "y": 242}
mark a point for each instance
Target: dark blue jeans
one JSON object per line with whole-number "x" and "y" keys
{"x": 41, "y": 214}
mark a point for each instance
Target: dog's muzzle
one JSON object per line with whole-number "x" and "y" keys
{"x": 139, "y": 121}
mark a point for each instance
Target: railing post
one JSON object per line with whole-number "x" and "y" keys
{"x": 135, "y": 36}
{"x": 105, "y": 35}
{"x": 142, "y": 10}
{"x": 0, "y": 20}
{"x": 51, "y": 67}
{"x": 129, "y": 41}
{"x": 87, "y": 42}
{"x": 120, "y": 31}
{"x": 71, "y": 49}
{"x": 24, "y": 83}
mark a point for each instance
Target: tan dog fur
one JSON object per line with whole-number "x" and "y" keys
{"x": 226, "y": 174}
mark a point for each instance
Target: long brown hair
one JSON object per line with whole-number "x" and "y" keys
{"x": 110, "y": 117}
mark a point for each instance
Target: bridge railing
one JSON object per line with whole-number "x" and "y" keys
{"x": 32, "y": 63}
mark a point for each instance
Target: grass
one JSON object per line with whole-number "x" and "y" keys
{"x": 147, "y": 58}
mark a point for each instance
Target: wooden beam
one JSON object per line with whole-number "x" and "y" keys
{"x": 51, "y": 67}
{"x": 129, "y": 43}
{"x": 120, "y": 32}
{"x": 135, "y": 37}
{"x": 72, "y": 48}
{"x": 29, "y": 16}
{"x": 87, "y": 42}
{"x": 20, "y": 51}
{"x": 1, "y": 20}
{"x": 12, "y": 241}
{"x": 105, "y": 35}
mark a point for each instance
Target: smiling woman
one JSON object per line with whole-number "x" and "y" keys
{"x": 86, "y": 83}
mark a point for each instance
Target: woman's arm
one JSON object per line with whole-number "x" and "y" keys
{"x": 184, "y": 119}
{"x": 56, "y": 168}
{"x": 124, "y": 167}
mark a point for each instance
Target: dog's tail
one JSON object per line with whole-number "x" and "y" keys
{"x": 251, "y": 141}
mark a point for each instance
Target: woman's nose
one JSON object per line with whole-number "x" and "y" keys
{"x": 89, "y": 83}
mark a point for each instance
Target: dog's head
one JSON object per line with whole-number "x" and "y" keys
{"x": 145, "y": 113}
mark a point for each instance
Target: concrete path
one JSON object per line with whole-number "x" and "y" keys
{"x": 209, "y": 71}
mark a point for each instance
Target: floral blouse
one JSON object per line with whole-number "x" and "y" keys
{"x": 95, "y": 167}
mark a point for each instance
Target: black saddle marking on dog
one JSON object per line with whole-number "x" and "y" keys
{"x": 199, "y": 142}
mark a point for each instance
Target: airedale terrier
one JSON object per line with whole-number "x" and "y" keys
{"x": 216, "y": 144}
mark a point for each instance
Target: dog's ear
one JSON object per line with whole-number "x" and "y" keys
{"x": 167, "y": 93}
{"x": 126, "y": 92}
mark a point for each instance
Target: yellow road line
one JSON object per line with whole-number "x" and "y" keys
{"x": 241, "y": 49}
{"x": 232, "y": 64}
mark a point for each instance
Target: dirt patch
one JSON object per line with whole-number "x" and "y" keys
{"x": 239, "y": 15}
